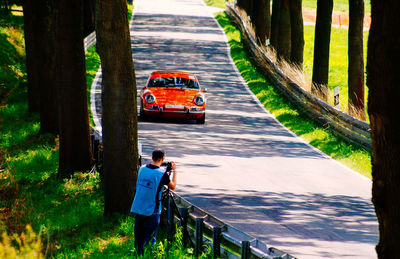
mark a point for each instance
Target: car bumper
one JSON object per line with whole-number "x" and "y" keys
{"x": 174, "y": 113}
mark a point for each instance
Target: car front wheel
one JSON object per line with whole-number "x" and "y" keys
{"x": 201, "y": 120}
{"x": 142, "y": 114}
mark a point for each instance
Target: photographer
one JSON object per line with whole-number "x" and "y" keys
{"x": 147, "y": 202}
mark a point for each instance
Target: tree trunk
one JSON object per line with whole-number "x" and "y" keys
{"x": 383, "y": 80}
{"x": 321, "y": 49}
{"x": 30, "y": 19}
{"x": 276, "y": 11}
{"x": 120, "y": 148}
{"x": 246, "y": 5}
{"x": 284, "y": 41}
{"x": 356, "y": 59}
{"x": 40, "y": 58}
{"x": 268, "y": 19}
{"x": 75, "y": 148}
{"x": 262, "y": 21}
{"x": 88, "y": 17}
{"x": 241, "y": 4}
{"x": 46, "y": 64}
{"x": 297, "y": 33}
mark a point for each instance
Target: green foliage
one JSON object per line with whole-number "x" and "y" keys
{"x": 26, "y": 245}
{"x": 216, "y": 3}
{"x": 92, "y": 66}
{"x": 322, "y": 138}
{"x": 68, "y": 213}
{"x": 12, "y": 65}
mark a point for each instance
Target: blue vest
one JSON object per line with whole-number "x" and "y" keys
{"x": 146, "y": 196}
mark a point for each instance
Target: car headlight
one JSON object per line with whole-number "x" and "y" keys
{"x": 150, "y": 98}
{"x": 199, "y": 100}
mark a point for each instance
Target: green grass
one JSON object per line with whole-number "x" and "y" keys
{"x": 338, "y": 61}
{"x": 66, "y": 215}
{"x": 338, "y": 5}
{"x": 12, "y": 65}
{"x": 216, "y": 3}
{"x": 350, "y": 155}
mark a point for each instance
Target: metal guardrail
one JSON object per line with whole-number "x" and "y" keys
{"x": 225, "y": 240}
{"x": 348, "y": 127}
{"x": 90, "y": 40}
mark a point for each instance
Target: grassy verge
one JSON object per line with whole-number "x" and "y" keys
{"x": 338, "y": 5}
{"x": 41, "y": 215}
{"x": 338, "y": 61}
{"x": 351, "y": 155}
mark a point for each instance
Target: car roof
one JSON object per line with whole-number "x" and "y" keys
{"x": 171, "y": 72}
{"x": 168, "y": 73}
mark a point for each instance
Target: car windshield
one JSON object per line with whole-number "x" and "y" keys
{"x": 173, "y": 82}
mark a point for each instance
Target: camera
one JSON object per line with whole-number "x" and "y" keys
{"x": 168, "y": 166}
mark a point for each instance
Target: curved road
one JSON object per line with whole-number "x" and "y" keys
{"x": 243, "y": 166}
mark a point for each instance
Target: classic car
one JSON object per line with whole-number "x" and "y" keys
{"x": 173, "y": 94}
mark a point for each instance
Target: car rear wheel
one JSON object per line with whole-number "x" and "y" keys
{"x": 201, "y": 120}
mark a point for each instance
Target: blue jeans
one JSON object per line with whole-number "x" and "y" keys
{"x": 145, "y": 230}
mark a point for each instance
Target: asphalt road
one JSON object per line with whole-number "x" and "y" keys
{"x": 242, "y": 165}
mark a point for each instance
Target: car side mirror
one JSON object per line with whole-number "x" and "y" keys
{"x": 204, "y": 90}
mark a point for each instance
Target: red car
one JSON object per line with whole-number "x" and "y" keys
{"x": 173, "y": 94}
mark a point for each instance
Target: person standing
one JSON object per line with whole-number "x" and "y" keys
{"x": 147, "y": 202}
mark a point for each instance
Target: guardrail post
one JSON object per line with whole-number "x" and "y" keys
{"x": 216, "y": 242}
{"x": 170, "y": 219}
{"x": 245, "y": 249}
{"x": 92, "y": 138}
{"x": 184, "y": 214}
{"x": 199, "y": 236}
{"x": 99, "y": 158}
{"x": 95, "y": 145}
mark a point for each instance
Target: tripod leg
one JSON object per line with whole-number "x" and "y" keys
{"x": 177, "y": 212}
{"x": 170, "y": 221}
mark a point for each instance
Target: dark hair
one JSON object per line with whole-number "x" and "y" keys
{"x": 158, "y": 153}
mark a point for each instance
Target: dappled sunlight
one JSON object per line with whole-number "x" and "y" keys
{"x": 242, "y": 165}
{"x": 307, "y": 219}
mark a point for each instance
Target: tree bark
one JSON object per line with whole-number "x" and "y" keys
{"x": 241, "y": 4}
{"x": 276, "y": 11}
{"x": 321, "y": 49}
{"x": 120, "y": 148}
{"x": 383, "y": 80}
{"x": 246, "y": 5}
{"x": 356, "y": 59}
{"x": 46, "y": 65}
{"x": 39, "y": 28}
{"x": 297, "y": 33}
{"x": 88, "y": 17}
{"x": 262, "y": 21}
{"x": 75, "y": 147}
{"x": 30, "y": 50}
{"x": 284, "y": 35}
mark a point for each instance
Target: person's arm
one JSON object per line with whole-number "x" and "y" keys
{"x": 172, "y": 183}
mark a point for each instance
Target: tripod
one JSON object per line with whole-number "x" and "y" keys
{"x": 171, "y": 209}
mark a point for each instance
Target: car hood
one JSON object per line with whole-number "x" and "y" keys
{"x": 174, "y": 95}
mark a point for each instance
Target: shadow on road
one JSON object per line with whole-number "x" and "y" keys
{"x": 235, "y": 124}
{"x": 323, "y": 217}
